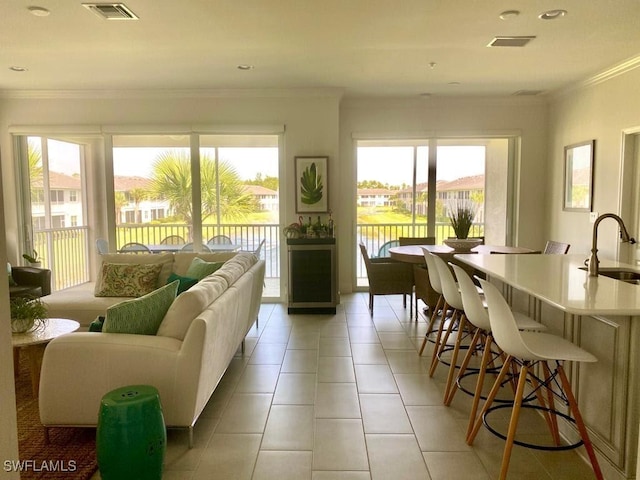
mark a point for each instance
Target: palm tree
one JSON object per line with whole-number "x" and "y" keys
{"x": 121, "y": 202}
{"x": 171, "y": 180}
{"x": 137, "y": 195}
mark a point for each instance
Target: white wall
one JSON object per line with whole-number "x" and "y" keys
{"x": 8, "y": 425}
{"x": 599, "y": 111}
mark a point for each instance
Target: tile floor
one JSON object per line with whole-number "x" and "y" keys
{"x": 345, "y": 396}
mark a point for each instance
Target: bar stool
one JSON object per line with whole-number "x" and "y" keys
{"x": 525, "y": 350}
{"x": 458, "y": 322}
{"x": 441, "y": 305}
{"x": 476, "y": 313}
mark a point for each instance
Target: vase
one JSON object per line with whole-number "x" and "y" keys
{"x": 22, "y": 325}
{"x": 462, "y": 244}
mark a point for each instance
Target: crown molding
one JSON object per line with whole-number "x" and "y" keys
{"x": 174, "y": 93}
{"x": 604, "y": 76}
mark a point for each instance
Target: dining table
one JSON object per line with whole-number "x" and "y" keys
{"x": 414, "y": 253}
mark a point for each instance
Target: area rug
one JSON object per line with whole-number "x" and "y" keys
{"x": 70, "y": 453}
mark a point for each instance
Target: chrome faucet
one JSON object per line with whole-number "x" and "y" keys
{"x": 592, "y": 262}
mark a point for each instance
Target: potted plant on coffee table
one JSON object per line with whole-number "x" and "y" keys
{"x": 461, "y": 216}
{"x": 27, "y": 314}
{"x": 33, "y": 258}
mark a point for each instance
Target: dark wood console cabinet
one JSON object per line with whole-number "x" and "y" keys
{"x": 313, "y": 279}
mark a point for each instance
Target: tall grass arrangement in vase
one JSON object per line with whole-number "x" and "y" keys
{"x": 461, "y": 217}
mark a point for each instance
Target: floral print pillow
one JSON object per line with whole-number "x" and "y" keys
{"x": 128, "y": 279}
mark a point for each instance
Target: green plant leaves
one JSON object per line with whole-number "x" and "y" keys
{"x": 311, "y": 185}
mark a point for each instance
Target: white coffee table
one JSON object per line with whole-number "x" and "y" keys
{"x": 34, "y": 343}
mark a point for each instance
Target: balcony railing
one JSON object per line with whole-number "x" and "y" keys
{"x": 65, "y": 250}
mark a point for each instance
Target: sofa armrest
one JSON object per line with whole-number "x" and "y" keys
{"x": 33, "y": 276}
{"x": 79, "y": 368}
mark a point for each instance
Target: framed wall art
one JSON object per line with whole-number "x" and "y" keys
{"x": 578, "y": 176}
{"x": 312, "y": 193}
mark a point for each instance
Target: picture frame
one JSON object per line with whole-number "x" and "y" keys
{"x": 578, "y": 176}
{"x": 312, "y": 189}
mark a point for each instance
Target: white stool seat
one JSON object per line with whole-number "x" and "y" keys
{"x": 545, "y": 346}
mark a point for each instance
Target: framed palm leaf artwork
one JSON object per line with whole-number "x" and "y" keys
{"x": 311, "y": 184}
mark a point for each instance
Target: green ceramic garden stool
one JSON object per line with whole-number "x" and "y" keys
{"x": 131, "y": 437}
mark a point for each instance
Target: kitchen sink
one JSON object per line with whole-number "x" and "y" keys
{"x": 622, "y": 274}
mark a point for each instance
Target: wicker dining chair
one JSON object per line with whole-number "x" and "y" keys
{"x": 388, "y": 277}
{"x": 553, "y": 247}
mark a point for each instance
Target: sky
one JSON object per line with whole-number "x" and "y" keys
{"x": 392, "y": 165}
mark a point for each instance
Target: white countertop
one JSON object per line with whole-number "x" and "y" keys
{"x": 558, "y": 280}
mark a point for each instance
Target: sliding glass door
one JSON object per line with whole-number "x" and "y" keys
{"x": 409, "y": 187}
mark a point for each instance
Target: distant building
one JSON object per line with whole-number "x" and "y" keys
{"x": 447, "y": 192}
{"x": 267, "y": 199}
{"x": 374, "y": 197}
{"x": 66, "y": 204}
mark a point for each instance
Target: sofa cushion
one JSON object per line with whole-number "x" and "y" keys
{"x": 235, "y": 267}
{"x": 185, "y": 283}
{"x": 142, "y": 315}
{"x": 164, "y": 259}
{"x": 127, "y": 279}
{"x": 189, "y": 305}
{"x": 182, "y": 260}
{"x": 200, "y": 268}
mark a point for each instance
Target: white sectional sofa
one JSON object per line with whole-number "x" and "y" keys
{"x": 198, "y": 337}
{"x": 80, "y": 303}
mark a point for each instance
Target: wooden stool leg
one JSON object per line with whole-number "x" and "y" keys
{"x": 492, "y": 395}
{"x": 463, "y": 367}
{"x": 440, "y": 329}
{"x": 454, "y": 356}
{"x": 573, "y": 406}
{"x": 513, "y": 423}
{"x": 484, "y": 364}
{"x": 432, "y": 322}
{"x": 441, "y": 342}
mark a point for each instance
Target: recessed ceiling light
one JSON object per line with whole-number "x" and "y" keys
{"x": 16, "y": 68}
{"x": 245, "y": 67}
{"x": 38, "y": 11}
{"x": 509, "y": 14}
{"x": 552, "y": 14}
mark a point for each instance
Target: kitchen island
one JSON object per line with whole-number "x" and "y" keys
{"x": 601, "y": 315}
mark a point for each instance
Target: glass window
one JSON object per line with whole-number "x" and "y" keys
{"x": 57, "y": 209}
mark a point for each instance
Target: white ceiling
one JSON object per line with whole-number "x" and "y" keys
{"x": 366, "y": 47}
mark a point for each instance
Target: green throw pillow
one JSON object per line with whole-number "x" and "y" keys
{"x": 143, "y": 315}
{"x": 185, "y": 282}
{"x": 200, "y": 269}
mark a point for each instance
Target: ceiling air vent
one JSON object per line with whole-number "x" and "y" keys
{"x": 111, "y": 11}
{"x": 525, "y": 93}
{"x": 510, "y": 41}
